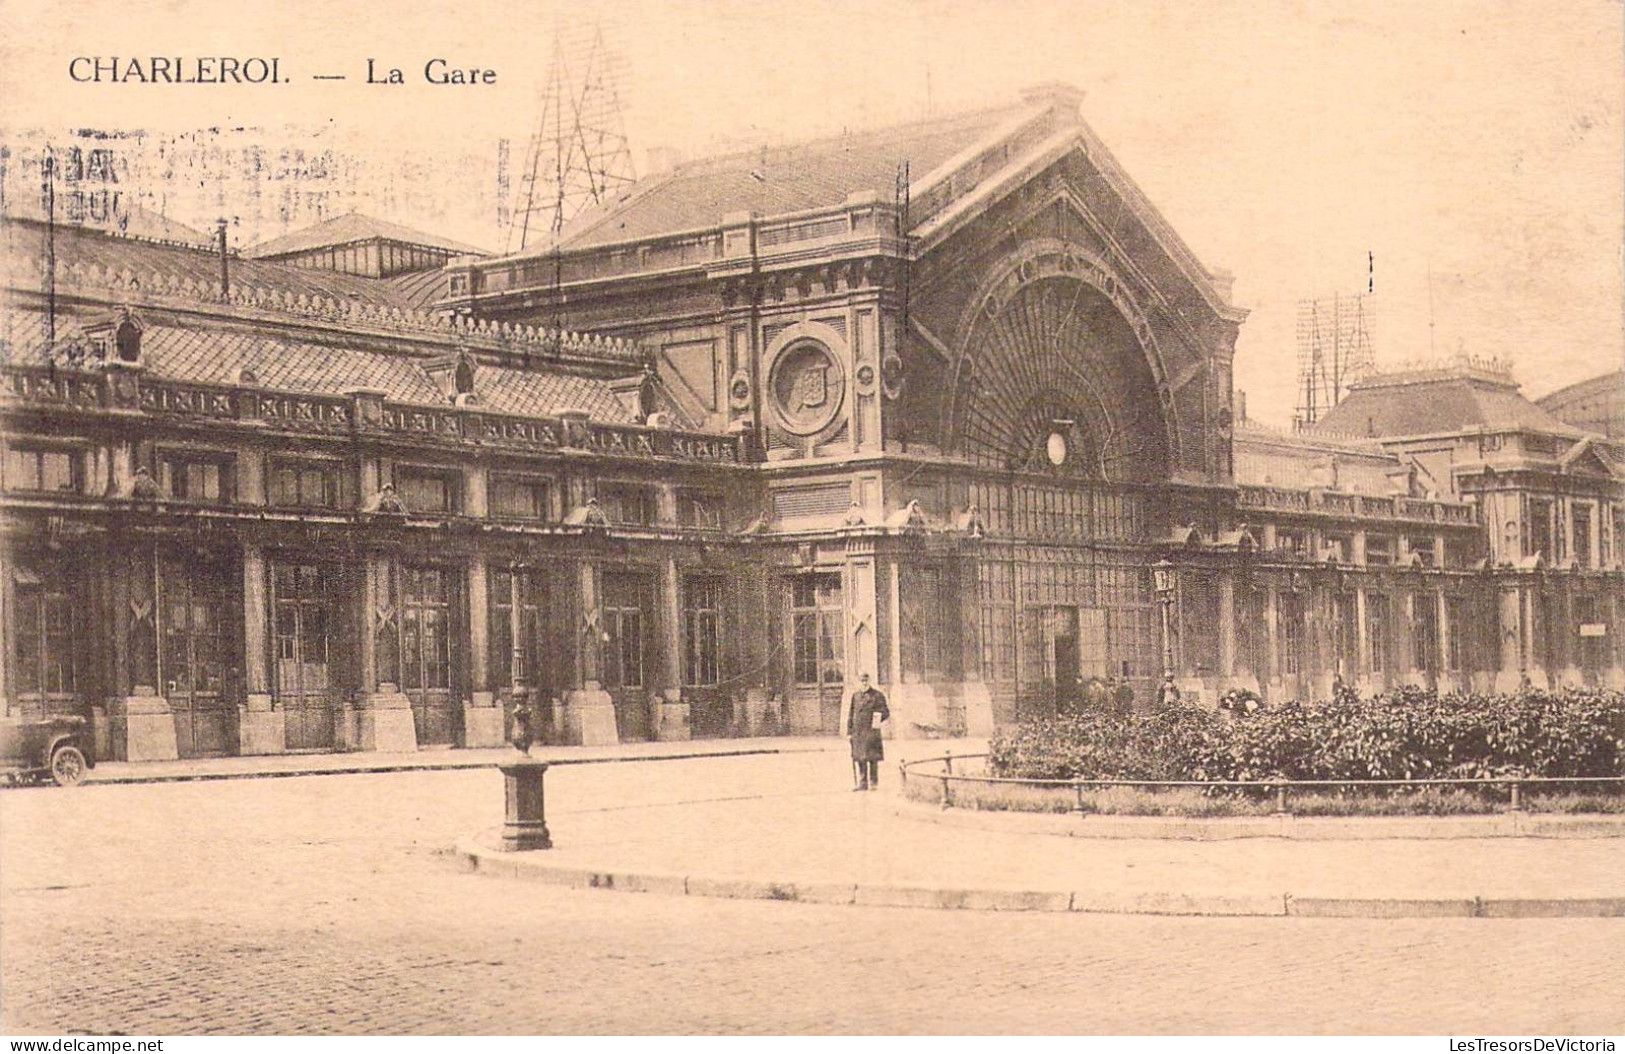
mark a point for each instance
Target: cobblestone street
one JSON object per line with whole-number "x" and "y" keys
{"x": 331, "y": 905}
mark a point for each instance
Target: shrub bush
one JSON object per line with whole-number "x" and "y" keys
{"x": 1406, "y": 734}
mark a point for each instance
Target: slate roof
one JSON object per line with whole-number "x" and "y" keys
{"x": 219, "y": 356}
{"x": 354, "y": 227}
{"x": 24, "y": 241}
{"x": 1436, "y": 401}
{"x": 775, "y": 180}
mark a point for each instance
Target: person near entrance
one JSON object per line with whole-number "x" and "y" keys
{"x": 863, "y": 721}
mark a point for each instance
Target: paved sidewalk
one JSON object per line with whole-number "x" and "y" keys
{"x": 808, "y": 838}
{"x": 278, "y": 765}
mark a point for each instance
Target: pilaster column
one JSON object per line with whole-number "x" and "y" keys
{"x": 479, "y": 678}
{"x": 1227, "y": 625}
{"x": 376, "y": 592}
{"x": 122, "y": 469}
{"x": 1363, "y": 656}
{"x": 260, "y": 728}
{"x": 370, "y": 481}
{"x": 589, "y": 631}
{"x": 1272, "y": 625}
{"x": 250, "y": 477}
{"x": 1445, "y": 635}
{"x": 671, "y": 626}
{"x": 860, "y": 619}
{"x": 475, "y": 502}
{"x": 256, "y": 650}
{"x": 895, "y": 616}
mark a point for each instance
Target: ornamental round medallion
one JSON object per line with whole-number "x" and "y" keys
{"x": 739, "y": 391}
{"x": 807, "y": 385}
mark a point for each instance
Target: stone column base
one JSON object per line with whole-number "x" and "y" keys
{"x": 1613, "y": 677}
{"x": 672, "y": 724}
{"x": 589, "y": 717}
{"x": 380, "y": 721}
{"x": 260, "y": 729}
{"x": 482, "y": 722}
{"x": 1569, "y": 677}
{"x": 144, "y": 729}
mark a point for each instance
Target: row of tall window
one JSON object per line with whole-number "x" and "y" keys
{"x": 1071, "y": 512}
{"x": 1587, "y": 529}
{"x": 312, "y": 483}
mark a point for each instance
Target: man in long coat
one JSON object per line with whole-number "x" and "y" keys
{"x": 863, "y": 722}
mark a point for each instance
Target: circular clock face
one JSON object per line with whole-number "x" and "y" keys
{"x": 1056, "y": 449}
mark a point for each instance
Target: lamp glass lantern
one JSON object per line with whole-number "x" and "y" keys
{"x": 1162, "y": 579}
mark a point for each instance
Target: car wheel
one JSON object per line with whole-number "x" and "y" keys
{"x": 67, "y": 765}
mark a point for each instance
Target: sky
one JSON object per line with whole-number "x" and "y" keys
{"x": 1463, "y": 158}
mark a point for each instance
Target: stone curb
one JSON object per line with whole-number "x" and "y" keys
{"x": 534, "y": 867}
{"x": 432, "y": 766}
{"x": 1297, "y": 828}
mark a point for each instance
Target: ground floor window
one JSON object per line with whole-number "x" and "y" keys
{"x": 816, "y": 618}
{"x": 1458, "y": 629}
{"x": 996, "y": 593}
{"x": 1424, "y": 632}
{"x": 426, "y": 628}
{"x": 517, "y": 633}
{"x": 702, "y": 622}
{"x": 1376, "y": 630}
{"x": 45, "y": 645}
{"x": 1346, "y": 630}
{"x": 625, "y": 624}
{"x": 1290, "y": 626}
{"x": 924, "y": 613}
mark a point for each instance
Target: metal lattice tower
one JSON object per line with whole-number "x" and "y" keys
{"x": 1334, "y": 349}
{"x": 578, "y": 156}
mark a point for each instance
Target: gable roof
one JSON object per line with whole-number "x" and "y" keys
{"x": 1445, "y": 399}
{"x": 354, "y": 227}
{"x": 957, "y": 166}
{"x": 783, "y": 179}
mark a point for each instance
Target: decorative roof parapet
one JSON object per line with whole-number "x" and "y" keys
{"x": 477, "y": 333}
{"x": 1490, "y": 368}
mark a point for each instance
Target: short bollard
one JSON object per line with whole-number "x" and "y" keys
{"x": 524, "y": 825}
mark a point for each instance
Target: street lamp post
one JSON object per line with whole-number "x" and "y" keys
{"x": 1162, "y": 578}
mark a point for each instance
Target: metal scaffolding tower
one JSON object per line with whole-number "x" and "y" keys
{"x": 578, "y": 156}
{"x": 1334, "y": 349}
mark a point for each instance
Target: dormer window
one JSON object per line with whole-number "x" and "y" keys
{"x": 116, "y": 337}
{"x": 128, "y": 342}
{"x": 453, "y": 374}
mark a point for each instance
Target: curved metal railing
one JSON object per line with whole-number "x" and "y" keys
{"x": 947, "y": 777}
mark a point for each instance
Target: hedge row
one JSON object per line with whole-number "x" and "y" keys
{"x": 1407, "y": 734}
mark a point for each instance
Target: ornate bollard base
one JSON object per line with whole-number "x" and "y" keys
{"x": 524, "y": 825}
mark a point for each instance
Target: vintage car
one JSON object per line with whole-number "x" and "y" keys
{"x": 36, "y": 747}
